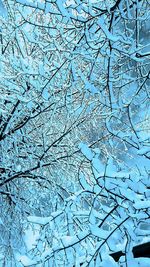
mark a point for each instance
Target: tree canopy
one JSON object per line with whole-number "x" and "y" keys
{"x": 74, "y": 132}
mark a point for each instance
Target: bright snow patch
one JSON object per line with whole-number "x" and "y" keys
{"x": 25, "y": 260}
{"x": 86, "y": 151}
{"x": 99, "y": 232}
{"x": 142, "y": 204}
{"x": 39, "y": 220}
{"x": 144, "y": 150}
{"x": 98, "y": 166}
{"x": 30, "y": 237}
